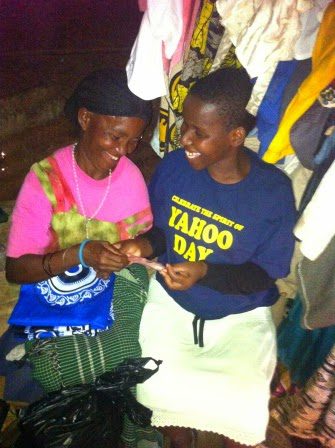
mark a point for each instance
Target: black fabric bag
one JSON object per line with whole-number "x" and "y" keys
{"x": 87, "y": 415}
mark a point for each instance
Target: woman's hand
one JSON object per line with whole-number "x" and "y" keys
{"x": 104, "y": 257}
{"x": 139, "y": 247}
{"x": 181, "y": 276}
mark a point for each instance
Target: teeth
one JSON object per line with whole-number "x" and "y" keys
{"x": 192, "y": 155}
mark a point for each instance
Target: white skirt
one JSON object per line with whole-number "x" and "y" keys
{"x": 223, "y": 387}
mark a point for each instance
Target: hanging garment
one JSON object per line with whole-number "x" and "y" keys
{"x": 300, "y": 350}
{"x": 303, "y": 69}
{"x": 316, "y": 225}
{"x": 268, "y": 116}
{"x": 308, "y": 133}
{"x": 323, "y": 69}
{"x": 310, "y": 23}
{"x": 161, "y": 28}
{"x": 327, "y": 147}
{"x": 317, "y": 289}
{"x": 310, "y": 414}
{"x": 318, "y": 173}
{"x": 205, "y": 41}
{"x": 189, "y": 15}
{"x": 263, "y": 33}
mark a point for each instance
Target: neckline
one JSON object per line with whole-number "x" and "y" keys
{"x": 246, "y": 180}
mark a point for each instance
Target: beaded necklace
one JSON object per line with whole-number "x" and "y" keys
{"x": 88, "y": 219}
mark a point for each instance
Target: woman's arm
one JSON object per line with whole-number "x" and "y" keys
{"x": 31, "y": 268}
{"x": 245, "y": 278}
{"x": 101, "y": 255}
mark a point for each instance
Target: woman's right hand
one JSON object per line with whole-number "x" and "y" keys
{"x": 104, "y": 257}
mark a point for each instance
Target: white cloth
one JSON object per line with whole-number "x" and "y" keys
{"x": 161, "y": 28}
{"x": 263, "y": 32}
{"x": 310, "y": 23}
{"x": 222, "y": 387}
{"x": 316, "y": 226}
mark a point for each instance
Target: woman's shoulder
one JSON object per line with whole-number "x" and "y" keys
{"x": 62, "y": 155}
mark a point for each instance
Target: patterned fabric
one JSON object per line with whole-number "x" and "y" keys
{"x": 66, "y": 216}
{"x": 327, "y": 96}
{"x": 310, "y": 413}
{"x": 78, "y": 299}
{"x": 205, "y": 41}
{"x": 67, "y": 361}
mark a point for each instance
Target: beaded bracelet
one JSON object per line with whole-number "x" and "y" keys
{"x": 81, "y": 254}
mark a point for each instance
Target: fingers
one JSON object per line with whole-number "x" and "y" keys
{"x": 175, "y": 277}
{"x": 102, "y": 274}
{"x": 105, "y": 257}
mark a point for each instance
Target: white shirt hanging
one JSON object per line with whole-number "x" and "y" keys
{"x": 160, "y": 30}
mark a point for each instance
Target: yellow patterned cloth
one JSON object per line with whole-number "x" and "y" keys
{"x": 203, "y": 51}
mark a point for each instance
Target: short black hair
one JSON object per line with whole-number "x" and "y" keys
{"x": 230, "y": 90}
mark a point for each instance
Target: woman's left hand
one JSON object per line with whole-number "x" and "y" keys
{"x": 181, "y": 276}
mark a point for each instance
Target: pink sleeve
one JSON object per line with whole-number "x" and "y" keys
{"x": 30, "y": 222}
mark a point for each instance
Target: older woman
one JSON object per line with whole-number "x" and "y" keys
{"x": 72, "y": 208}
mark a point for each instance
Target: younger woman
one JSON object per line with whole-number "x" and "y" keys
{"x": 223, "y": 224}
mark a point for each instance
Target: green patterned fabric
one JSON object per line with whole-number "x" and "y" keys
{"x": 67, "y": 361}
{"x": 68, "y": 225}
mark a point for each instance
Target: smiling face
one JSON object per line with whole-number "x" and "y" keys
{"x": 207, "y": 142}
{"x": 105, "y": 139}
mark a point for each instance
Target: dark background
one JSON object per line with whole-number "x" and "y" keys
{"x": 46, "y": 47}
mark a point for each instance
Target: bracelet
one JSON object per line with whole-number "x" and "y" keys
{"x": 49, "y": 266}
{"x": 81, "y": 255}
{"x": 64, "y": 255}
{"x": 47, "y": 269}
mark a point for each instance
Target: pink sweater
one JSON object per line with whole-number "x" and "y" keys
{"x": 30, "y": 228}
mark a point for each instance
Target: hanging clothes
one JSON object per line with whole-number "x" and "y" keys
{"x": 317, "y": 289}
{"x": 300, "y": 350}
{"x": 161, "y": 27}
{"x": 316, "y": 226}
{"x": 310, "y": 23}
{"x": 204, "y": 44}
{"x": 308, "y": 133}
{"x": 268, "y": 116}
{"x": 322, "y": 74}
{"x": 310, "y": 414}
{"x": 263, "y": 33}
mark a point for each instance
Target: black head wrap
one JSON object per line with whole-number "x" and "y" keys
{"x": 106, "y": 92}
